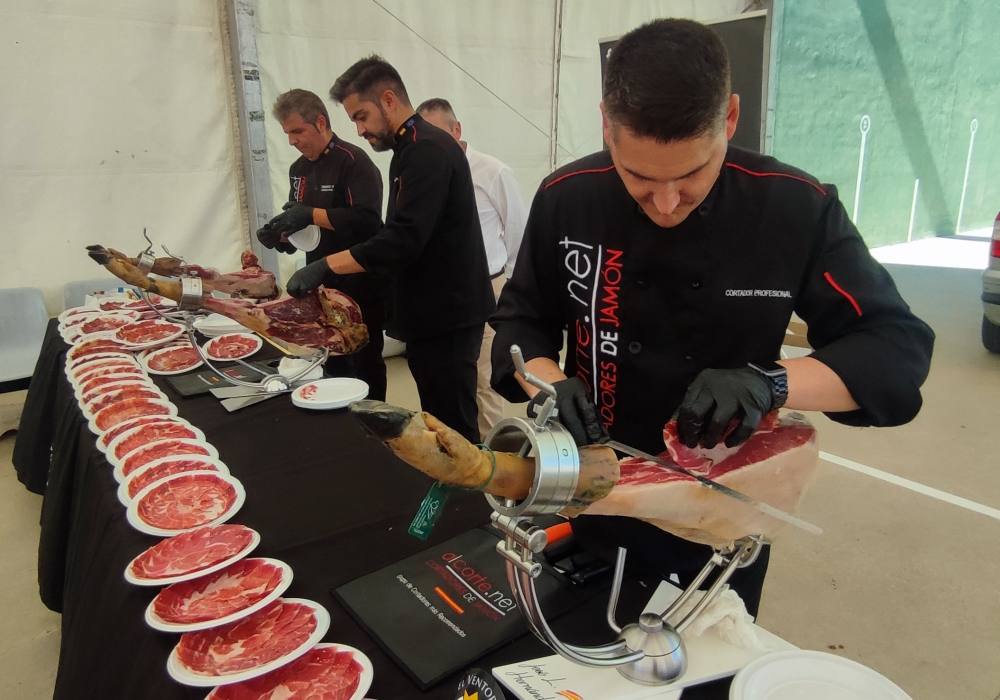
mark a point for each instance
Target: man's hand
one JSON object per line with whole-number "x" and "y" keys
{"x": 715, "y": 399}
{"x": 269, "y": 236}
{"x": 576, "y": 412}
{"x": 308, "y": 278}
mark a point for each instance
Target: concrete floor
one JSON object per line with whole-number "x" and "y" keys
{"x": 900, "y": 581}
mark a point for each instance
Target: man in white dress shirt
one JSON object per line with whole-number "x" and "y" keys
{"x": 502, "y": 216}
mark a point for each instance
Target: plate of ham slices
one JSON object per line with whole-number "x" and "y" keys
{"x": 148, "y": 432}
{"x": 225, "y": 596}
{"x": 172, "y": 359}
{"x": 142, "y": 455}
{"x": 191, "y": 555}
{"x": 149, "y": 333}
{"x": 185, "y": 501}
{"x": 109, "y": 417}
{"x": 268, "y": 639}
{"x": 232, "y": 346}
{"x": 163, "y": 467}
{"x": 107, "y": 437}
{"x": 329, "y": 671}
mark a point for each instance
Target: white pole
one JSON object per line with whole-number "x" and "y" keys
{"x": 866, "y": 124}
{"x": 913, "y": 209}
{"x": 973, "y": 126}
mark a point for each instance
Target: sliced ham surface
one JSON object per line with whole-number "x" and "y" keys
{"x": 174, "y": 359}
{"x": 775, "y": 465}
{"x": 186, "y": 501}
{"x": 109, "y": 436}
{"x": 144, "y": 476}
{"x": 152, "y": 432}
{"x": 266, "y": 635}
{"x": 145, "y": 454}
{"x": 99, "y": 369}
{"x": 192, "y": 551}
{"x": 232, "y": 346}
{"x": 322, "y": 673}
{"x": 111, "y": 416}
{"x": 218, "y": 595}
{"x": 120, "y": 392}
{"x": 144, "y": 332}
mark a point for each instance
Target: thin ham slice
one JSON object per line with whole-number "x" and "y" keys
{"x": 120, "y": 392}
{"x": 151, "y": 432}
{"x": 109, "y": 417}
{"x": 323, "y": 673}
{"x": 215, "y": 596}
{"x": 268, "y": 634}
{"x": 161, "y": 469}
{"x": 191, "y": 552}
{"x": 144, "y": 454}
{"x": 108, "y": 437}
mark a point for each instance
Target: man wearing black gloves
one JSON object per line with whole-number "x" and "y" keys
{"x": 675, "y": 262}
{"x": 336, "y": 186}
{"x": 430, "y": 245}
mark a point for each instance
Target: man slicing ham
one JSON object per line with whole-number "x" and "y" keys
{"x": 675, "y": 262}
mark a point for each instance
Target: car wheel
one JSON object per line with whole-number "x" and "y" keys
{"x": 991, "y": 335}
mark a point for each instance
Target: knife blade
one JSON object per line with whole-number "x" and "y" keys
{"x": 765, "y": 508}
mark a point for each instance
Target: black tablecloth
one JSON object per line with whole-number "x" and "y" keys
{"x": 326, "y": 499}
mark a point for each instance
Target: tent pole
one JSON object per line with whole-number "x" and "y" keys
{"x": 556, "y": 62}
{"x": 238, "y": 16}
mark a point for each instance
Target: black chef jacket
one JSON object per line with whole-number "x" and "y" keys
{"x": 346, "y": 183}
{"x": 647, "y": 308}
{"x": 431, "y": 244}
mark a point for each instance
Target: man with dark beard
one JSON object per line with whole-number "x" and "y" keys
{"x": 430, "y": 247}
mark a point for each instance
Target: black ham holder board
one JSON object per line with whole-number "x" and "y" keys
{"x": 204, "y": 380}
{"x": 439, "y": 611}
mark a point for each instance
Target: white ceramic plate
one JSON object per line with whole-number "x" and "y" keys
{"x": 147, "y": 356}
{"x": 177, "y": 330}
{"x": 169, "y": 409}
{"x": 327, "y": 394}
{"x": 73, "y": 365}
{"x": 367, "y": 670}
{"x": 123, "y": 487}
{"x": 799, "y": 673}
{"x": 82, "y": 374}
{"x": 215, "y": 325}
{"x": 306, "y": 239}
{"x": 112, "y": 448}
{"x": 158, "y": 623}
{"x": 257, "y": 344}
{"x": 119, "y": 464}
{"x": 142, "y": 526}
{"x": 166, "y": 581}
{"x": 181, "y": 674}
{"x": 113, "y": 380}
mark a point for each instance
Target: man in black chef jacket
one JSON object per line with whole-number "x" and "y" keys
{"x": 675, "y": 262}
{"x": 430, "y": 246}
{"x": 336, "y": 186}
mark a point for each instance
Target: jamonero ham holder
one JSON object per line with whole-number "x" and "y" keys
{"x": 734, "y": 502}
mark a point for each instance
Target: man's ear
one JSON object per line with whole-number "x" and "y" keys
{"x": 457, "y": 130}
{"x": 321, "y": 123}
{"x": 388, "y": 100}
{"x": 732, "y": 115}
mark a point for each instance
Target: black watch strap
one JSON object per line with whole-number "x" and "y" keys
{"x": 777, "y": 376}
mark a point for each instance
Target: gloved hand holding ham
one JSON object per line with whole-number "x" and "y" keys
{"x": 775, "y": 465}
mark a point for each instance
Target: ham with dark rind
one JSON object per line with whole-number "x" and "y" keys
{"x": 215, "y": 596}
{"x": 186, "y": 501}
{"x": 192, "y": 551}
{"x": 323, "y": 673}
{"x": 266, "y": 635}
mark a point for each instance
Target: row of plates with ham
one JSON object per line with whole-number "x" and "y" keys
{"x": 174, "y": 485}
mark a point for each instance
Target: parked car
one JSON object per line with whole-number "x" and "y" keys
{"x": 991, "y": 294}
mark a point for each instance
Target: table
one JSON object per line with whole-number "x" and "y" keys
{"x": 327, "y": 499}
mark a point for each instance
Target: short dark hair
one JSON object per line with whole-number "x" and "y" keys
{"x": 668, "y": 79}
{"x": 306, "y": 104}
{"x": 367, "y": 78}
{"x": 437, "y": 104}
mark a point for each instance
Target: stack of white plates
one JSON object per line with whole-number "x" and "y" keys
{"x": 327, "y": 394}
{"x": 811, "y": 675}
{"x": 215, "y": 325}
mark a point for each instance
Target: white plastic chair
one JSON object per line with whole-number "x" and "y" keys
{"x": 23, "y": 319}
{"x": 75, "y": 293}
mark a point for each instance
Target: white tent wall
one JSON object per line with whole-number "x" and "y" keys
{"x": 116, "y": 117}
{"x": 584, "y": 23}
{"x": 505, "y": 46}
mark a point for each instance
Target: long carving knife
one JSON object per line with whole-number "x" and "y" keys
{"x": 766, "y": 508}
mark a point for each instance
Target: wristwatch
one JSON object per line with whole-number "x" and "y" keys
{"x": 778, "y": 378}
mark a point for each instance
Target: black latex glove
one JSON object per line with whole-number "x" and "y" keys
{"x": 715, "y": 399}
{"x": 308, "y": 278}
{"x": 268, "y": 235}
{"x": 576, "y": 412}
{"x": 285, "y": 247}
{"x": 294, "y": 217}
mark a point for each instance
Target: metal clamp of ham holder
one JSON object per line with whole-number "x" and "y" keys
{"x": 649, "y": 651}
